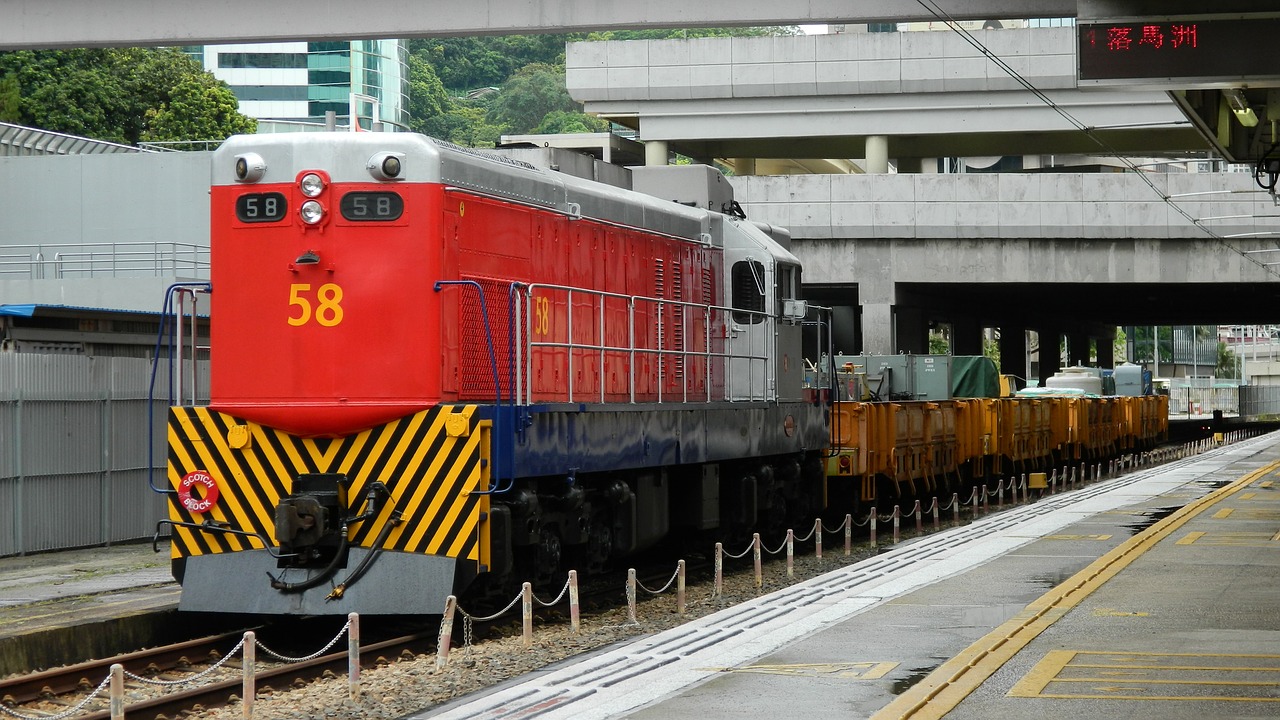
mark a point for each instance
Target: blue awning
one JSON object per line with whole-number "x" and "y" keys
{"x": 18, "y": 310}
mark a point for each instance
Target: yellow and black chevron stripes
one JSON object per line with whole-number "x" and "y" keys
{"x": 433, "y": 463}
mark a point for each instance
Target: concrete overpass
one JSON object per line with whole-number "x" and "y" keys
{"x": 1072, "y": 254}
{"x": 915, "y": 95}
{"x": 1061, "y": 252}
{"x": 124, "y": 23}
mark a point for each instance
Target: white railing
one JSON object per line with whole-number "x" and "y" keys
{"x": 114, "y": 259}
{"x": 707, "y": 338}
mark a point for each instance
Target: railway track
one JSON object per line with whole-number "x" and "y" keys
{"x": 41, "y": 691}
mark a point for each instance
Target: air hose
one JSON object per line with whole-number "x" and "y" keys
{"x": 378, "y": 545}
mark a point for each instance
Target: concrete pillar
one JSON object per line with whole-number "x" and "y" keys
{"x": 1107, "y": 350}
{"x": 966, "y": 337}
{"x": 1050, "y": 354}
{"x": 1078, "y": 348}
{"x": 655, "y": 152}
{"x": 744, "y": 166}
{"x": 911, "y": 332}
{"x": 1013, "y": 352}
{"x": 877, "y": 329}
{"x": 844, "y": 329}
{"x": 877, "y": 154}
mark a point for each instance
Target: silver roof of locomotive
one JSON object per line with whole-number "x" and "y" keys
{"x": 345, "y": 156}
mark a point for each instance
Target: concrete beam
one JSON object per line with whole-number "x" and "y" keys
{"x": 928, "y": 94}
{"x": 32, "y": 24}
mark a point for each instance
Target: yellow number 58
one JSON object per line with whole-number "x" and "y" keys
{"x": 328, "y": 310}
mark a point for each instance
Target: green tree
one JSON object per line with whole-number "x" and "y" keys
{"x": 1226, "y": 366}
{"x": 10, "y": 99}
{"x": 465, "y": 123}
{"x": 938, "y": 343}
{"x": 534, "y": 92}
{"x": 559, "y": 122}
{"x": 122, "y": 95}
{"x": 427, "y": 96}
{"x": 198, "y": 108}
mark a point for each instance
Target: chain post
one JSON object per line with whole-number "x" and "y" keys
{"x": 817, "y": 538}
{"x": 117, "y": 691}
{"x": 574, "y": 609}
{"x": 919, "y": 518}
{"x": 875, "y": 512}
{"x": 848, "y": 535}
{"x": 985, "y": 508}
{"x": 680, "y": 604}
{"x": 719, "y": 585}
{"x": 755, "y": 549}
{"x": 248, "y": 680}
{"x": 526, "y": 611}
{"x": 445, "y": 641}
{"x": 934, "y": 510}
{"x": 631, "y": 597}
{"x": 1000, "y": 493}
{"x": 897, "y": 523}
{"x": 791, "y": 553}
{"x": 955, "y": 508}
{"x": 353, "y": 655}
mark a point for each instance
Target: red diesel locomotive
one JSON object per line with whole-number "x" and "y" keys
{"x": 435, "y": 368}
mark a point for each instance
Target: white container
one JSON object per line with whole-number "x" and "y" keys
{"x": 1076, "y": 378}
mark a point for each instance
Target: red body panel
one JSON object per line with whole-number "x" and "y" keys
{"x": 362, "y": 337}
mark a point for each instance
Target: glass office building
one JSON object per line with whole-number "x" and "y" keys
{"x": 295, "y": 83}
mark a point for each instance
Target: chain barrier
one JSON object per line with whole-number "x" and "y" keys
{"x": 742, "y": 554}
{"x": 813, "y": 529}
{"x": 781, "y": 547}
{"x": 172, "y": 683}
{"x": 665, "y": 588}
{"x": 563, "y": 591}
{"x": 313, "y": 655}
{"x": 239, "y": 646}
{"x": 489, "y": 618}
{"x": 69, "y": 712}
{"x": 848, "y": 520}
{"x": 866, "y": 522}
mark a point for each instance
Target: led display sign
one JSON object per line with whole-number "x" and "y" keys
{"x": 1192, "y": 49}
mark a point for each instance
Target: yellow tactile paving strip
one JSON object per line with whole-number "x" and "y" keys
{"x": 944, "y": 689}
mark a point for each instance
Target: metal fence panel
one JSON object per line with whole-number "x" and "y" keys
{"x": 74, "y": 449}
{"x": 9, "y": 517}
{"x": 62, "y": 511}
{"x": 135, "y": 509}
{"x": 1259, "y": 400}
{"x": 61, "y": 436}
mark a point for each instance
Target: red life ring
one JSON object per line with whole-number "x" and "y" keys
{"x": 209, "y": 496}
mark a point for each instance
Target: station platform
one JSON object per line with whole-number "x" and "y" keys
{"x": 1151, "y": 595}
{"x": 66, "y": 606}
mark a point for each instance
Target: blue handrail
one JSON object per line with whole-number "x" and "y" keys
{"x": 151, "y": 386}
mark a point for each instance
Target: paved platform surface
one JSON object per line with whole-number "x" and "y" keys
{"x": 1149, "y": 596}
{"x": 66, "y": 606}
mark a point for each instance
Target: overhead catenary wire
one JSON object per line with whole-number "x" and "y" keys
{"x": 932, "y": 7}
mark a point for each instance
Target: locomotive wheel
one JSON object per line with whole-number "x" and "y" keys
{"x": 546, "y": 556}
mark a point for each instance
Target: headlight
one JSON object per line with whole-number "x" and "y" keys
{"x": 386, "y": 165}
{"x": 312, "y": 185}
{"x": 250, "y": 167}
{"x": 312, "y": 212}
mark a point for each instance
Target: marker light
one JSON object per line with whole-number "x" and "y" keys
{"x": 250, "y": 167}
{"x": 312, "y": 185}
{"x": 312, "y": 212}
